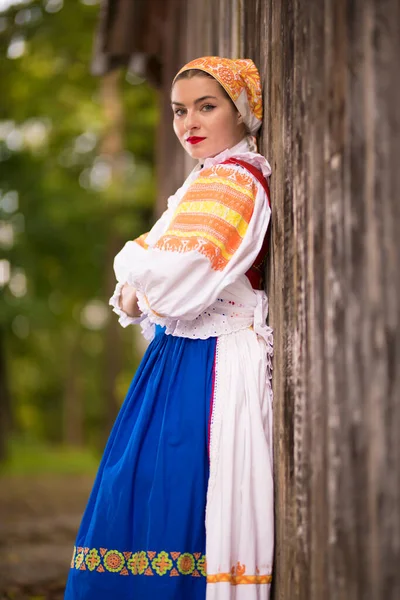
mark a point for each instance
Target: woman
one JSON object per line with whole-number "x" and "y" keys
{"x": 187, "y": 471}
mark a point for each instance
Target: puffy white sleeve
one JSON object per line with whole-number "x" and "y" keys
{"x": 133, "y": 251}
{"x": 214, "y": 236}
{"x": 133, "y": 254}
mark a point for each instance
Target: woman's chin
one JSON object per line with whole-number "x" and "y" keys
{"x": 194, "y": 152}
{"x": 201, "y": 153}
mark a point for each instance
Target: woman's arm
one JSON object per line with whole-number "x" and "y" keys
{"x": 214, "y": 236}
{"x": 134, "y": 254}
{"x": 123, "y": 300}
{"x": 128, "y": 301}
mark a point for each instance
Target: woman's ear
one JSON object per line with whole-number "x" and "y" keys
{"x": 240, "y": 123}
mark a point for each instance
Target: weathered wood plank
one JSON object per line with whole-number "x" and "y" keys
{"x": 318, "y": 565}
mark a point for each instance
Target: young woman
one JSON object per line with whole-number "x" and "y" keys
{"x": 187, "y": 471}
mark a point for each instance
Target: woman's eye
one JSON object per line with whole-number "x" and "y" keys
{"x": 208, "y": 107}
{"x": 179, "y": 112}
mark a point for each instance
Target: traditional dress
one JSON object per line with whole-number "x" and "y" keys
{"x": 182, "y": 506}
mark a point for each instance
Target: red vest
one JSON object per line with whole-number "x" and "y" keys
{"x": 257, "y": 271}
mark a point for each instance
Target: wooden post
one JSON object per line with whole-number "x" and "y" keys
{"x": 331, "y": 133}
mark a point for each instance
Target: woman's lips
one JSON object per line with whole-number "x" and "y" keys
{"x": 195, "y": 140}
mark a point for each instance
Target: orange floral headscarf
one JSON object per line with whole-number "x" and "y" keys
{"x": 241, "y": 81}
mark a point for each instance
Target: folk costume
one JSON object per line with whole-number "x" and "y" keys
{"x": 182, "y": 506}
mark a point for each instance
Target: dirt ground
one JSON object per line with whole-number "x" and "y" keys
{"x": 39, "y": 518}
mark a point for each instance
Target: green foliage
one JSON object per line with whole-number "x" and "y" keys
{"x": 33, "y": 458}
{"x": 61, "y": 206}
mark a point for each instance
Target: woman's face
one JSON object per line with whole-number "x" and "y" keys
{"x": 206, "y": 122}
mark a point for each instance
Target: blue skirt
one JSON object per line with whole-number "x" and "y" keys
{"x": 142, "y": 536}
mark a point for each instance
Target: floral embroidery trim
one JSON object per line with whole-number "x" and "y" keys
{"x": 144, "y": 562}
{"x": 213, "y": 216}
{"x": 150, "y": 563}
{"x": 237, "y": 577}
{"x": 142, "y": 241}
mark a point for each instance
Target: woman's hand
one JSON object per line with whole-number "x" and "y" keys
{"x": 128, "y": 301}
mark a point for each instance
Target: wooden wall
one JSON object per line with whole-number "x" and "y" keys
{"x": 330, "y": 71}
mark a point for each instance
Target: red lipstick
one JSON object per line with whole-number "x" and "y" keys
{"x": 195, "y": 140}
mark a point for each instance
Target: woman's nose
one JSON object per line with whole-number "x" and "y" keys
{"x": 191, "y": 121}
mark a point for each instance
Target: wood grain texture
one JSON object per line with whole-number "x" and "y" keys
{"x": 331, "y": 132}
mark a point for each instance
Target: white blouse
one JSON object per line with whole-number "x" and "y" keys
{"x": 189, "y": 270}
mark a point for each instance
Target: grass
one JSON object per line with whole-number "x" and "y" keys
{"x": 34, "y": 458}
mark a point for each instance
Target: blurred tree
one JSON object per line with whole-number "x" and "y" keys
{"x": 64, "y": 212}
